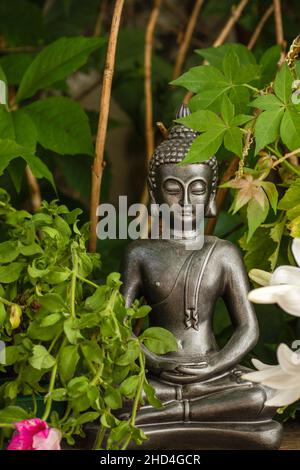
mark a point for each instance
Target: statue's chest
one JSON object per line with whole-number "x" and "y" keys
{"x": 177, "y": 277}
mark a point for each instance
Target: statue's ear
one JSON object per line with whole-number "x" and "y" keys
{"x": 211, "y": 209}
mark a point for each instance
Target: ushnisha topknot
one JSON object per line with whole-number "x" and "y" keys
{"x": 175, "y": 148}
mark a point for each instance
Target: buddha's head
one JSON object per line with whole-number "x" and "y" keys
{"x": 185, "y": 186}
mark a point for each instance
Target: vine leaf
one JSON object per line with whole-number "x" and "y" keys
{"x": 55, "y": 62}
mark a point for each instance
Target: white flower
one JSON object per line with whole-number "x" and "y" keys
{"x": 284, "y": 377}
{"x": 284, "y": 285}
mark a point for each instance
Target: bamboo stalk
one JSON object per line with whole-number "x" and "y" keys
{"x": 279, "y": 29}
{"x": 260, "y": 26}
{"x": 34, "y": 190}
{"x": 187, "y": 39}
{"x": 97, "y": 169}
{"x": 149, "y": 131}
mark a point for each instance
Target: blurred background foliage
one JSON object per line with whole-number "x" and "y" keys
{"x": 28, "y": 26}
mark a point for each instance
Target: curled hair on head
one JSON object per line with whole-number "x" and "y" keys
{"x": 175, "y": 148}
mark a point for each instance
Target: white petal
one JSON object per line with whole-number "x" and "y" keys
{"x": 288, "y": 360}
{"x": 260, "y": 365}
{"x": 286, "y": 275}
{"x": 261, "y": 375}
{"x": 266, "y": 295}
{"x": 296, "y": 250}
{"x": 260, "y": 277}
{"x": 288, "y": 299}
{"x": 283, "y": 381}
{"x": 284, "y": 398}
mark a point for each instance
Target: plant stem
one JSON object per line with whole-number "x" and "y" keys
{"x": 99, "y": 438}
{"x": 97, "y": 170}
{"x": 137, "y": 398}
{"x": 253, "y": 88}
{"x": 6, "y": 302}
{"x": 260, "y": 26}
{"x": 50, "y": 390}
{"x": 284, "y": 162}
{"x": 87, "y": 281}
{"x": 73, "y": 282}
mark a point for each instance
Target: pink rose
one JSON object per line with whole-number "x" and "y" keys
{"x": 34, "y": 434}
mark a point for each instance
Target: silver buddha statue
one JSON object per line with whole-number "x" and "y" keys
{"x": 206, "y": 403}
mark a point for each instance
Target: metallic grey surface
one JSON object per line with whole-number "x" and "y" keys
{"x": 206, "y": 404}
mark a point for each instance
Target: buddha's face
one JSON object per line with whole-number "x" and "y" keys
{"x": 186, "y": 188}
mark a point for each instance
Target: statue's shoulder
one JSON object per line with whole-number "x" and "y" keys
{"x": 139, "y": 248}
{"x": 224, "y": 249}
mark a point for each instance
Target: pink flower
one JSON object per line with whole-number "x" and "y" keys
{"x": 34, "y": 434}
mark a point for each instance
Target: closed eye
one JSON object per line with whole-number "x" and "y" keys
{"x": 198, "y": 187}
{"x": 172, "y": 187}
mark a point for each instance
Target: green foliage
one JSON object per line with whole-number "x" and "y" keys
{"x": 67, "y": 338}
{"x": 228, "y": 108}
{"x": 58, "y": 124}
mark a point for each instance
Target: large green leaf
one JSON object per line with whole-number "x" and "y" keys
{"x": 290, "y": 129}
{"x": 67, "y": 362}
{"x": 267, "y": 128}
{"x": 256, "y": 215}
{"x": 283, "y": 84}
{"x": 215, "y": 55}
{"x": 233, "y": 140}
{"x": 55, "y": 62}
{"x": 62, "y": 125}
{"x": 200, "y": 78}
{"x": 9, "y": 150}
{"x": 19, "y": 127}
{"x": 159, "y": 340}
{"x": 202, "y": 120}
{"x": 205, "y": 146}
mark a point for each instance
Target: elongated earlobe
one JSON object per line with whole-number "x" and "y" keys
{"x": 211, "y": 209}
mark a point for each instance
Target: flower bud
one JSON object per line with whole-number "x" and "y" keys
{"x": 15, "y": 316}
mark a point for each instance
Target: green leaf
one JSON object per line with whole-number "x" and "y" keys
{"x": 159, "y": 340}
{"x": 201, "y": 77}
{"x": 9, "y": 251}
{"x": 256, "y": 215}
{"x": 11, "y": 272}
{"x": 12, "y": 414}
{"x": 55, "y": 62}
{"x": 267, "y": 128}
{"x": 231, "y": 66}
{"x": 215, "y": 55}
{"x": 19, "y": 127}
{"x": 290, "y": 129}
{"x": 267, "y": 102}
{"x": 2, "y": 314}
{"x": 270, "y": 189}
{"x": 113, "y": 397}
{"x": 131, "y": 354}
{"x": 39, "y": 169}
{"x": 92, "y": 352}
{"x": 227, "y": 110}
{"x": 52, "y": 302}
{"x": 50, "y": 320}
{"x": 9, "y": 150}
{"x": 59, "y": 394}
{"x": 268, "y": 64}
{"x": 151, "y": 395}
{"x": 62, "y": 125}
{"x": 67, "y": 362}
{"x": 142, "y": 311}
{"x": 205, "y": 146}
{"x": 207, "y": 99}
{"x": 241, "y": 119}
{"x": 233, "y": 141}
{"x": 129, "y": 386}
{"x": 87, "y": 417}
{"x": 71, "y": 330}
{"x": 283, "y": 84}
{"x": 40, "y": 358}
{"x": 202, "y": 120}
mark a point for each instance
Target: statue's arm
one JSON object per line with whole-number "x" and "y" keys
{"x": 241, "y": 311}
{"x": 132, "y": 289}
